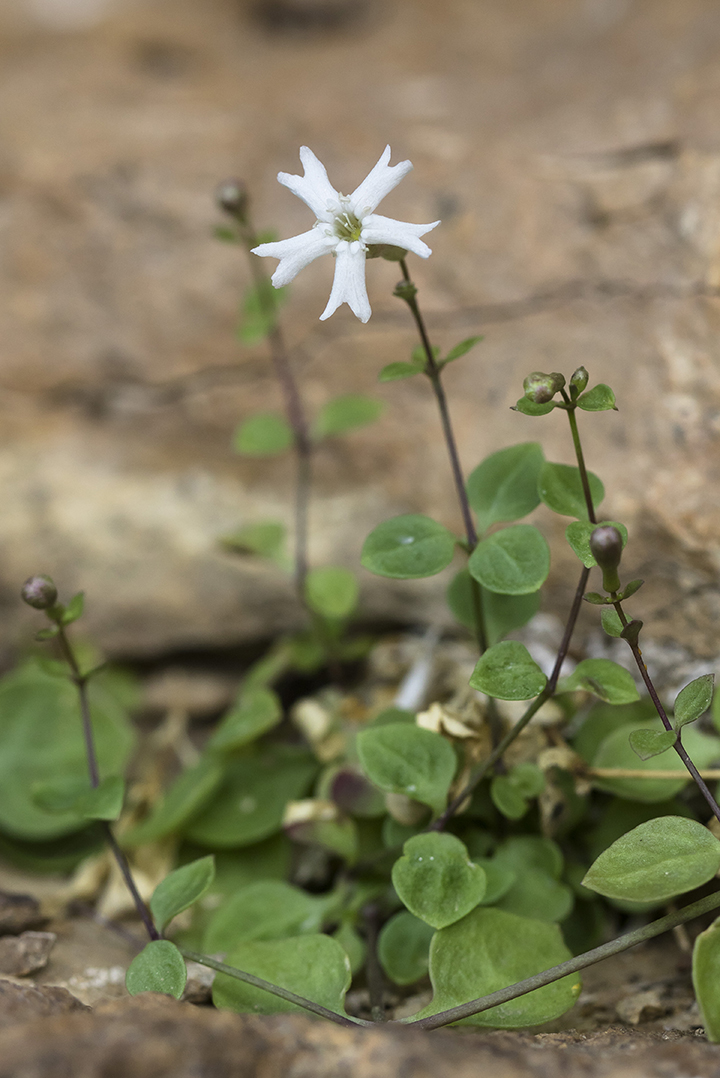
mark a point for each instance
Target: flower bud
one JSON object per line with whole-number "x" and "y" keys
{"x": 405, "y": 290}
{"x": 39, "y": 592}
{"x": 232, "y": 197}
{"x": 579, "y": 379}
{"x": 606, "y": 548}
{"x": 541, "y": 388}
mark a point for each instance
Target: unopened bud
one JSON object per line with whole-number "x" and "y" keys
{"x": 405, "y": 290}
{"x": 39, "y": 592}
{"x": 579, "y": 379}
{"x": 541, "y": 388}
{"x": 606, "y": 547}
{"x": 232, "y": 197}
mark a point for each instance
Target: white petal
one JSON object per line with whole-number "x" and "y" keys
{"x": 295, "y": 253}
{"x": 314, "y": 188}
{"x": 378, "y": 229}
{"x": 349, "y": 282}
{"x": 378, "y": 183}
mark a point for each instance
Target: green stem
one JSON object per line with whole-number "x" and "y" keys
{"x": 573, "y": 965}
{"x": 571, "y": 409}
{"x": 274, "y": 989}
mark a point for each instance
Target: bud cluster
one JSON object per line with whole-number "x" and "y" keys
{"x": 540, "y": 388}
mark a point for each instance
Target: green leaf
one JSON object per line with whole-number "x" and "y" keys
{"x": 158, "y": 968}
{"x": 504, "y": 486}
{"x": 408, "y": 547}
{"x": 611, "y": 622}
{"x": 353, "y": 946}
{"x": 256, "y": 712}
{"x": 528, "y": 778}
{"x": 531, "y": 851}
{"x": 264, "y": 910}
{"x": 180, "y": 889}
{"x": 461, "y": 349}
{"x": 502, "y": 613}
{"x": 560, "y": 488}
{"x": 694, "y": 700}
{"x": 655, "y": 861}
{"x": 345, "y": 413}
{"x": 403, "y": 948}
{"x": 249, "y": 804}
{"x": 260, "y": 311}
{"x": 47, "y": 634}
{"x": 315, "y": 967}
{"x": 578, "y": 536}
{"x": 536, "y": 894}
{"x": 604, "y": 678}
{"x": 514, "y": 561}
{"x": 649, "y": 743}
{"x": 507, "y": 799}
{"x": 528, "y": 407}
{"x": 41, "y": 738}
{"x": 631, "y": 588}
{"x": 74, "y": 609}
{"x": 598, "y": 399}
{"x": 706, "y": 979}
{"x": 615, "y": 752}
{"x": 331, "y": 591}
{"x": 406, "y": 759}
{"x": 71, "y": 794}
{"x": 184, "y": 799}
{"x": 227, "y": 235}
{"x": 393, "y": 371}
{"x": 499, "y": 878}
{"x": 263, "y": 435}
{"x": 436, "y": 879}
{"x": 508, "y": 672}
{"x": 418, "y": 354}
{"x": 265, "y": 538}
{"x": 491, "y": 949}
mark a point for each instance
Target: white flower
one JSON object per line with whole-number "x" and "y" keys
{"x": 346, "y": 225}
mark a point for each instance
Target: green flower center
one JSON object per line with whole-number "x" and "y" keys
{"x": 347, "y": 227}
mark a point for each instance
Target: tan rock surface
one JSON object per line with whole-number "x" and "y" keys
{"x": 573, "y": 153}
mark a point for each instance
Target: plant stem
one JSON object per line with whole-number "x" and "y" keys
{"x": 573, "y": 965}
{"x": 80, "y": 681}
{"x": 274, "y": 989}
{"x": 571, "y": 409}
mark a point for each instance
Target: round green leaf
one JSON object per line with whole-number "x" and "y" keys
{"x": 180, "y": 889}
{"x": 507, "y": 799}
{"x": 315, "y": 967}
{"x": 694, "y": 700}
{"x": 158, "y": 968}
{"x": 505, "y": 485}
{"x": 528, "y": 407}
{"x": 578, "y": 536}
{"x": 344, "y": 413}
{"x": 264, "y": 910}
{"x": 514, "y": 561}
{"x": 499, "y": 878}
{"x": 263, "y": 435}
{"x": 531, "y": 851}
{"x": 611, "y": 622}
{"x": 249, "y": 804}
{"x": 408, "y": 547}
{"x": 508, "y": 672}
{"x": 604, "y": 679}
{"x": 649, "y": 743}
{"x": 656, "y": 860}
{"x": 489, "y": 950}
{"x": 331, "y": 591}
{"x": 256, "y": 712}
{"x": 436, "y": 879}
{"x": 706, "y": 979}
{"x": 405, "y": 759}
{"x": 615, "y": 751}
{"x": 536, "y": 894}
{"x": 501, "y": 613}
{"x": 265, "y": 538}
{"x": 404, "y": 948}
{"x": 598, "y": 399}
{"x": 560, "y": 488}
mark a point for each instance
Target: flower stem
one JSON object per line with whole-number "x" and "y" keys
{"x": 572, "y": 419}
{"x": 573, "y": 965}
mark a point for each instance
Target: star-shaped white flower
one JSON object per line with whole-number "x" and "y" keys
{"x": 346, "y": 226}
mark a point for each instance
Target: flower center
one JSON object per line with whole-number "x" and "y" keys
{"x": 346, "y": 226}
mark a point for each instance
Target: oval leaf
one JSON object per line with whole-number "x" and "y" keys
{"x": 598, "y": 399}
{"x": 331, "y": 591}
{"x": 158, "y": 968}
{"x": 408, "y": 547}
{"x": 180, "y": 889}
{"x": 656, "y": 860}
{"x": 694, "y": 700}
{"x": 315, "y": 967}
{"x": 505, "y": 485}
{"x": 604, "y": 679}
{"x": 264, "y": 910}
{"x": 508, "y": 672}
{"x": 436, "y": 879}
{"x": 187, "y": 796}
{"x": 514, "y": 561}
{"x": 706, "y": 979}
{"x": 615, "y": 751}
{"x": 256, "y": 712}
{"x": 649, "y": 743}
{"x": 501, "y": 613}
{"x": 263, "y": 435}
{"x": 491, "y": 949}
{"x": 405, "y": 759}
{"x": 560, "y": 488}
{"x": 344, "y": 413}
{"x": 404, "y": 948}
{"x": 393, "y": 371}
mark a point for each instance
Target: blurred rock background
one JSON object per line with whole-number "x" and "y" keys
{"x": 572, "y": 150}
